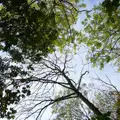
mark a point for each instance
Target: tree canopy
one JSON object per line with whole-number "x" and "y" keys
{"x": 31, "y": 29}
{"x": 102, "y": 33}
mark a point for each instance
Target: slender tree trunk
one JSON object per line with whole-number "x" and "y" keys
{"x": 85, "y": 100}
{"x": 89, "y": 104}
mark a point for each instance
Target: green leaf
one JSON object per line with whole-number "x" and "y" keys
{"x": 108, "y": 58}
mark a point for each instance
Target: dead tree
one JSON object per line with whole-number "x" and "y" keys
{"x": 48, "y": 75}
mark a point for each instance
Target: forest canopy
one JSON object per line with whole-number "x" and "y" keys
{"x": 31, "y": 31}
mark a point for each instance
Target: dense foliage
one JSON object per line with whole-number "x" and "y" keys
{"x": 26, "y": 30}
{"x": 31, "y": 29}
{"x": 11, "y": 90}
{"x": 102, "y": 29}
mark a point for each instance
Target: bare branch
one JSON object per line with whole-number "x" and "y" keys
{"x": 79, "y": 82}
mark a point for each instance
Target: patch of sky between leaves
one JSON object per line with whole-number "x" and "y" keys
{"x": 89, "y": 6}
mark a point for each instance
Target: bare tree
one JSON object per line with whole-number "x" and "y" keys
{"x": 50, "y": 75}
